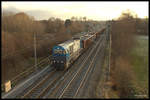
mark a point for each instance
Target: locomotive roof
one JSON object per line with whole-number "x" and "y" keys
{"x": 66, "y": 43}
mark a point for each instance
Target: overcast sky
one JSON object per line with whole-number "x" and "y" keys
{"x": 64, "y": 10}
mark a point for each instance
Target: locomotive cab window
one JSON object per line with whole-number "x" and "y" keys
{"x": 58, "y": 51}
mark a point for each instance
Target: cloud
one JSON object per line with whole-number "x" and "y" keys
{"x": 37, "y": 14}
{"x": 11, "y": 9}
{"x": 40, "y": 14}
{"x": 64, "y": 10}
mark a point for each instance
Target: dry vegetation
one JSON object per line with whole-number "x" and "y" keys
{"x": 18, "y": 39}
{"x": 123, "y": 41}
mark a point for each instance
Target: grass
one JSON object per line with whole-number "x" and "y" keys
{"x": 139, "y": 62}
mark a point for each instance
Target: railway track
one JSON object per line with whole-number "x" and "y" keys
{"x": 67, "y": 80}
{"x": 28, "y": 88}
{"x": 74, "y": 68}
{"x": 36, "y": 89}
{"x": 74, "y": 85}
{"x": 62, "y": 84}
{"x": 33, "y": 89}
{"x": 89, "y": 71}
{"x": 87, "y": 88}
{"x": 20, "y": 77}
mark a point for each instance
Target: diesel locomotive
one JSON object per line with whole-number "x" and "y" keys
{"x": 64, "y": 54}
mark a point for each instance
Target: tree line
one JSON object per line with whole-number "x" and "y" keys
{"x": 18, "y": 39}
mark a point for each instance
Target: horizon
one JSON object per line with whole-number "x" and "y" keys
{"x": 65, "y": 10}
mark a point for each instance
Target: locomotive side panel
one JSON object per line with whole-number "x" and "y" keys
{"x": 74, "y": 52}
{"x": 76, "y": 46}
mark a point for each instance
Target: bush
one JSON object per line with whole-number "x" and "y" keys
{"x": 123, "y": 40}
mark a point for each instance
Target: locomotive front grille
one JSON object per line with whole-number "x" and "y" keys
{"x": 59, "y": 63}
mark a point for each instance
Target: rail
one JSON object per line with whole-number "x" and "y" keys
{"x": 87, "y": 72}
{"x": 23, "y": 74}
{"x": 40, "y": 65}
{"x": 39, "y": 84}
{"x": 78, "y": 71}
{"x": 41, "y": 92}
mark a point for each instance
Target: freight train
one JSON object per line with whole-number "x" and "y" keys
{"x": 64, "y": 54}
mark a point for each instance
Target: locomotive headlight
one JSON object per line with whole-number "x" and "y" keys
{"x": 61, "y": 61}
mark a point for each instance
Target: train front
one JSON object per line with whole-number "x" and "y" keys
{"x": 59, "y": 57}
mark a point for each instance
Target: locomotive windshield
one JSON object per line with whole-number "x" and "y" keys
{"x": 59, "y": 51}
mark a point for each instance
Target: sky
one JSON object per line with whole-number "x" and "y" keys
{"x": 64, "y": 10}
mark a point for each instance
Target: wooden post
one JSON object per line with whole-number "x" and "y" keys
{"x": 7, "y": 86}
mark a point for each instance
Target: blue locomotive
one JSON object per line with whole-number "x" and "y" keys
{"x": 65, "y": 53}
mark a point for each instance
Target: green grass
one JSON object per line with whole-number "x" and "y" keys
{"x": 139, "y": 62}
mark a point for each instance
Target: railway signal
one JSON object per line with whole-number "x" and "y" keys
{"x": 67, "y": 23}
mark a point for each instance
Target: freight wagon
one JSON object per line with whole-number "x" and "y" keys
{"x": 86, "y": 41}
